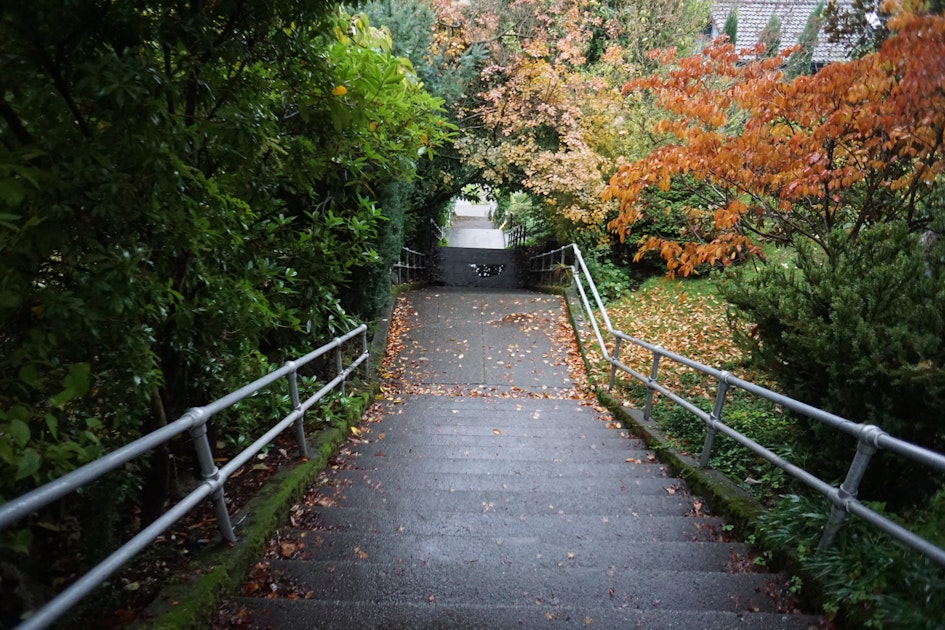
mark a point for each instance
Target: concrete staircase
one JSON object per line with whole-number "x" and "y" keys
{"x": 488, "y": 505}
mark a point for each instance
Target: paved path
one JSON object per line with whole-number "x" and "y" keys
{"x": 487, "y": 491}
{"x": 472, "y": 227}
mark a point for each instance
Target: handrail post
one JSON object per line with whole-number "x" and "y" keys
{"x": 654, "y": 371}
{"x": 299, "y": 423}
{"x": 865, "y": 449}
{"x": 613, "y": 363}
{"x": 711, "y": 428}
{"x": 340, "y": 366}
{"x": 210, "y": 472}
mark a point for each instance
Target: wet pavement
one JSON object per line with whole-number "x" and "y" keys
{"x": 488, "y": 490}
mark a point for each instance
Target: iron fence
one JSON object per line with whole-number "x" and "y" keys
{"x": 194, "y": 423}
{"x": 869, "y": 438}
{"x": 515, "y": 234}
{"x": 412, "y": 267}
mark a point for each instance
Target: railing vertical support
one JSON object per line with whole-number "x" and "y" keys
{"x": 299, "y": 423}
{"x": 364, "y": 350}
{"x": 654, "y": 372}
{"x": 865, "y": 449}
{"x": 340, "y": 366}
{"x": 613, "y": 364}
{"x": 716, "y": 416}
{"x": 210, "y": 472}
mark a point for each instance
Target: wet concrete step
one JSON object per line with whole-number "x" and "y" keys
{"x": 442, "y": 432}
{"x": 393, "y": 480}
{"x": 561, "y": 429}
{"x": 421, "y": 467}
{"x": 604, "y": 528}
{"x": 332, "y": 615}
{"x": 517, "y": 417}
{"x": 473, "y": 406}
{"x": 507, "y": 450}
{"x": 517, "y": 503}
{"x": 524, "y": 585}
{"x": 536, "y": 550}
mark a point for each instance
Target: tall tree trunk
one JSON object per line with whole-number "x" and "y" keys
{"x": 157, "y": 477}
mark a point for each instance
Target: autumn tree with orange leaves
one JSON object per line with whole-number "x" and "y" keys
{"x": 548, "y": 120}
{"x": 857, "y": 144}
{"x": 846, "y": 167}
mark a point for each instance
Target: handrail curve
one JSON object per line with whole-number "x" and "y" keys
{"x": 870, "y": 438}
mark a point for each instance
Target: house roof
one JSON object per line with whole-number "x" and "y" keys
{"x": 753, "y": 16}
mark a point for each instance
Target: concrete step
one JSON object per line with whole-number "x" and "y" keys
{"x": 440, "y": 432}
{"x": 510, "y": 584}
{"x": 656, "y": 482}
{"x": 473, "y": 406}
{"x": 606, "y": 528}
{"x": 508, "y": 450}
{"x": 302, "y": 614}
{"x": 422, "y": 467}
{"x": 545, "y": 551}
{"x": 671, "y": 502}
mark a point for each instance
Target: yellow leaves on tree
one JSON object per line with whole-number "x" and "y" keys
{"x": 857, "y": 143}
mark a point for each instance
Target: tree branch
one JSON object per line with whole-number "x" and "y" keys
{"x": 13, "y": 121}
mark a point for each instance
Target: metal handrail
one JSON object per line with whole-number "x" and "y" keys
{"x": 410, "y": 267}
{"x": 870, "y": 438}
{"x": 194, "y": 421}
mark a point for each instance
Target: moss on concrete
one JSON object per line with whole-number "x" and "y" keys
{"x": 725, "y": 497}
{"x": 218, "y": 572}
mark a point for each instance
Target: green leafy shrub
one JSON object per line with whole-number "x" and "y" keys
{"x": 860, "y": 333}
{"x": 760, "y": 420}
{"x": 869, "y": 580}
{"x": 203, "y": 193}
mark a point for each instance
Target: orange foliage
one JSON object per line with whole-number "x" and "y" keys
{"x": 857, "y": 143}
{"x": 542, "y": 117}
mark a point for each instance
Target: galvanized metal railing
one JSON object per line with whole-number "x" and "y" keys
{"x": 193, "y": 422}
{"x": 411, "y": 267}
{"x": 869, "y": 438}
